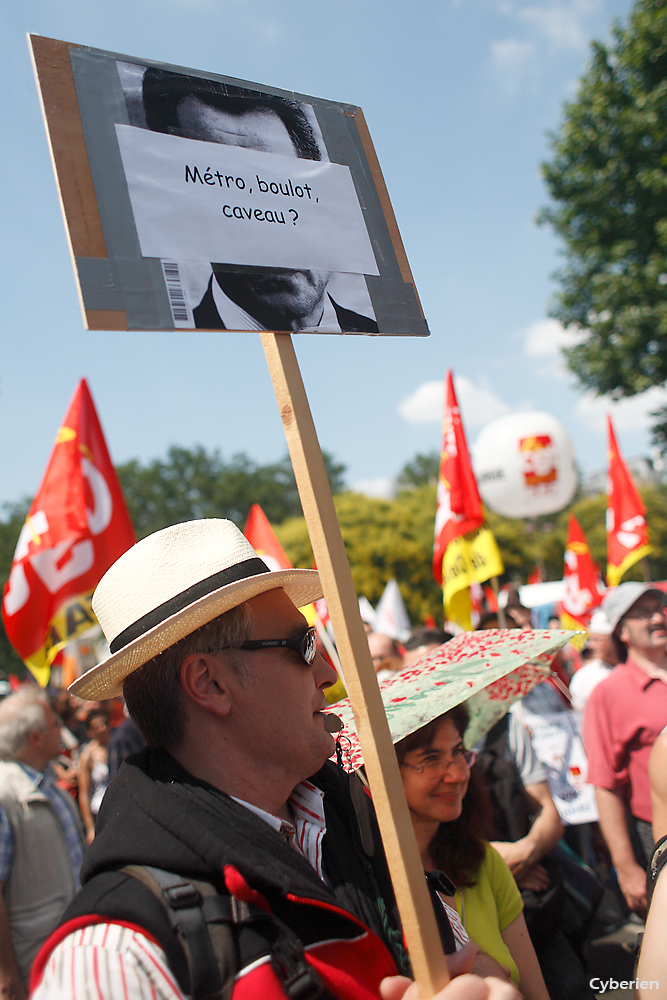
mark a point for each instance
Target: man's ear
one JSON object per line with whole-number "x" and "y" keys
{"x": 622, "y": 632}
{"x": 36, "y": 738}
{"x": 204, "y": 681}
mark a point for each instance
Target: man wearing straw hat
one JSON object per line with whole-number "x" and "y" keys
{"x": 217, "y": 866}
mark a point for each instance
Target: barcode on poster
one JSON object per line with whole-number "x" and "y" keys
{"x": 179, "y": 307}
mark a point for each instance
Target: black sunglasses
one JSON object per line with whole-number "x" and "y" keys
{"x": 305, "y": 644}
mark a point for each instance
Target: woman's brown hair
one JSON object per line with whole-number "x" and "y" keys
{"x": 458, "y": 847}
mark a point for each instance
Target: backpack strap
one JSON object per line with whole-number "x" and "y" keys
{"x": 210, "y": 948}
{"x": 204, "y": 921}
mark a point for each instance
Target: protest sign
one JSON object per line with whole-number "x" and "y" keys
{"x": 360, "y": 285}
{"x": 558, "y": 744}
{"x": 199, "y": 201}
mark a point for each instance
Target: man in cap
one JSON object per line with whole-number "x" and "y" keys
{"x": 248, "y": 871}
{"x": 624, "y": 715}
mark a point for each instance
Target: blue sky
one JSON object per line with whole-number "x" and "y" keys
{"x": 458, "y": 97}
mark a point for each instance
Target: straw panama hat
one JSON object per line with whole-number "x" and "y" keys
{"x": 170, "y": 584}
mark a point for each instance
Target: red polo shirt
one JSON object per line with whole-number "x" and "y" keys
{"x": 623, "y": 716}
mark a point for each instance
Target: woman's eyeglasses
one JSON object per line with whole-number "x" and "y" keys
{"x": 437, "y": 762}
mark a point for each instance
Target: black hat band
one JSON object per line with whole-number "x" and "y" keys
{"x": 241, "y": 571}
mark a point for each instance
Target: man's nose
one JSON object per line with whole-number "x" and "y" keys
{"x": 325, "y": 675}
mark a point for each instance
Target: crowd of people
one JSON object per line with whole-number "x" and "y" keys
{"x": 230, "y": 855}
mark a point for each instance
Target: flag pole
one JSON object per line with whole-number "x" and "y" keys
{"x": 645, "y": 570}
{"x": 414, "y": 903}
{"x": 502, "y": 621}
{"x": 332, "y": 653}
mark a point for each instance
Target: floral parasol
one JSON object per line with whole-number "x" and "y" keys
{"x": 488, "y": 670}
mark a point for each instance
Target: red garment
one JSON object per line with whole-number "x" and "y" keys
{"x": 624, "y": 715}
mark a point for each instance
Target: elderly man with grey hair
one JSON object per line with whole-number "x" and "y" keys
{"x": 41, "y": 836}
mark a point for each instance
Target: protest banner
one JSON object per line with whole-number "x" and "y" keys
{"x": 557, "y": 742}
{"x": 464, "y": 549}
{"x": 77, "y": 526}
{"x": 583, "y": 584}
{"x": 199, "y": 201}
{"x": 627, "y": 531}
{"x": 313, "y": 247}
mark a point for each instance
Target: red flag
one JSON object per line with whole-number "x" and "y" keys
{"x": 459, "y": 506}
{"x": 537, "y": 576}
{"x": 490, "y": 599}
{"x": 464, "y": 549}
{"x": 583, "y": 590}
{"x": 263, "y": 539}
{"x": 627, "y": 532}
{"x": 77, "y": 526}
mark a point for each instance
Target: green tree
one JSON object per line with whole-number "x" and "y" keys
{"x": 608, "y": 183}
{"x": 383, "y": 539}
{"x": 421, "y": 470}
{"x": 194, "y": 483}
{"x": 394, "y": 538}
{"x": 11, "y": 522}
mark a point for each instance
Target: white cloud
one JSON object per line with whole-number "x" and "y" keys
{"x": 381, "y": 486}
{"x": 513, "y": 60}
{"x": 543, "y": 341}
{"x": 629, "y": 414}
{"x": 546, "y": 338}
{"x": 510, "y": 55}
{"x": 478, "y": 403}
{"x": 424, "y": 405}
{"x": 562, "y": 24}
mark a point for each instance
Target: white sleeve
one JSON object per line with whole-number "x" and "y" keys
{"x": 107, "y": 962}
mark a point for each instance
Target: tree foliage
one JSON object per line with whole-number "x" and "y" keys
{"x": 383, "y": 539}
{"x": 11, "y": 522}
{"x": 608, "y": 183}
{"x": 194, "y": 483}
{"x": 420, "y": 471}
{"x": 394, "y": 538}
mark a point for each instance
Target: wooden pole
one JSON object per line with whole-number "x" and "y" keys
{"x": 645, "y": 570}
{"x": 419, "y": 926}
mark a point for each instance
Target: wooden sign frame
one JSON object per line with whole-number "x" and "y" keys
{"x": 84, "y": 102}
{"x": 85, "y": 226}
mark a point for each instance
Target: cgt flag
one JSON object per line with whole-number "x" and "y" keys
{"x": 77, "y": 526}
{"x": 582, "y": 580}
{"x": 263, "y": 539}
{"x": 627, "y": 532}
{"x": 464, "y": 549}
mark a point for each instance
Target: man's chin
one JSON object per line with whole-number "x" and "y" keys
{"x": 281, "y": 299}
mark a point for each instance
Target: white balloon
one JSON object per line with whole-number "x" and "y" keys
{"x": 524, "y": 465}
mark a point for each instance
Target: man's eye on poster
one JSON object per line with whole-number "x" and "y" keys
{"x": 233, "y": 190}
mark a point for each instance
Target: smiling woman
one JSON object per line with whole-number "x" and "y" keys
{"x": 450, "y": 811}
